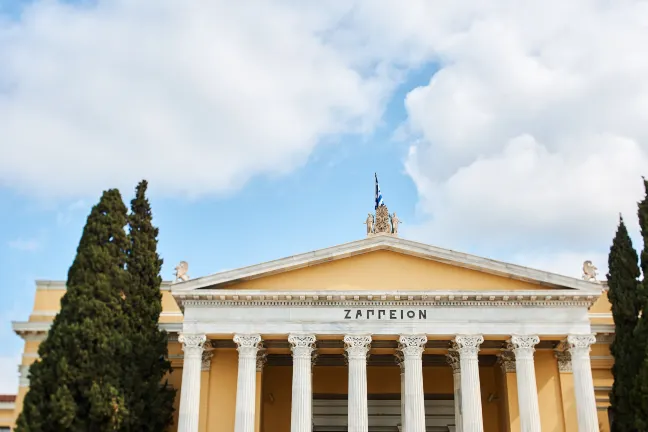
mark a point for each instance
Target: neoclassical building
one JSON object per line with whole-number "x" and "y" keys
{"x": 379, "y": 334}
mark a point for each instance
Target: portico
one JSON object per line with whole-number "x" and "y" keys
{"x": 385, "y": 302}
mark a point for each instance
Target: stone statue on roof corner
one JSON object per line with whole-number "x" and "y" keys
{"x": 181, "y": 272}
{"x": 589, "y": 271}
{"x": 369, "y": 222}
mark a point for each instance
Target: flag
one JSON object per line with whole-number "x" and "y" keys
{"x": 379, "y": 199}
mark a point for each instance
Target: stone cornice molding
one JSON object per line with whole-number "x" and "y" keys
{"x": 230, "y": 298}
{"x": 393, "y": 244}
{"x": 37, "y": 330}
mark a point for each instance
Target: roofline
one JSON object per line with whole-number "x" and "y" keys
{"x": 390, "y": 243}
{"x": 47, "y": 285}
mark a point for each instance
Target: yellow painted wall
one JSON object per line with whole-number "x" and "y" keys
{"x": 380, "y": 380}
{"x": 549, "y": 392}
{"x": 384, "y": 270}
{"x": 222, "y": 391}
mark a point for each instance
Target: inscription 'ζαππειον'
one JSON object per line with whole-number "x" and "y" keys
{"x": 385, "y": 314}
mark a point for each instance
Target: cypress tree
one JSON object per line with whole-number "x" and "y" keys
{"x": 624, "y": 297}
{"x": 150, "y": 400}
{"x": 640, "y": 343}
{"x": 76, "y": 383}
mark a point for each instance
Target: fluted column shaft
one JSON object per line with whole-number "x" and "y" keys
{"x": 357, "y": 348}
{"x": 412, "y": 347}
{"x": 188, "y": 417}
{"x": 302, "y": 383}
{"x": 579, "y": 348}
{"x": 471, "y": 405}
{"x": 523, "y": 347}
{"x": 248, "y": 347}
{"x": 453, "y": 360}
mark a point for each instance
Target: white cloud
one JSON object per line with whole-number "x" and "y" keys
{"x": 27, "y": 245}
{"x": 196, "y": 97}
{"x": 533, "y": 135}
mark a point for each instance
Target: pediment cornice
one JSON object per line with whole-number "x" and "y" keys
{"x": 394, "y": 244}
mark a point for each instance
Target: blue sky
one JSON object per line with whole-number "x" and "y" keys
{"x": 260, "y": 129}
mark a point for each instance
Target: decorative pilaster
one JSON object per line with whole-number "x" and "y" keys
{"x": 471, "y": 406}
{"x": 400, "y": 360}
{"x": 523, "y": 347}
{"x": 579, "y": 348}
{"x": 248, "y": 347}
{"x": 357, "y": 348}
{"x": 262, "y": 357}
{"x": 192, "y": 345}
{"x": 453, "y": 360}
{"x": 302, "y": 347}
{"x": 412, "y": 347}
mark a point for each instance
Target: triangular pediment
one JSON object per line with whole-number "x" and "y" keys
{"x": 386, "y": 263}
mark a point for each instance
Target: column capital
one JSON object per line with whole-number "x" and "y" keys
{"x": 564, "y": 360}
{"x": 192, "y": 344}
{"x": 524, "y": 345}
{"x": 468, "y": 345}
{"x": 247, "y": 344}
{"x": 506, "y": 360}
{"x": 23, "y": 380}
{"x": 580, "y": 342}
{"x": 412, "y": 345}
{"x": 454, "y": 361}
{"x": 206, "y": 360}
{"x": 262, "y": 357}
{"x": 302, "y": 345}
{"x": 357, "y": 345}
{"x": 400, "y": 359}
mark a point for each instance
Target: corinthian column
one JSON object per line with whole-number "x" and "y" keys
{"x": 412, "y": 347}
{"x": 453, "y": 360}
{"x": 302, "y": 409}
{"x": 192, "y": 345}
{"x": 248, "y": 346}
{"x": 471, "y": 406}
{"x": 523, "y": 347}
{"x": 357, "y": 348}
{"x": 579, "y": 348}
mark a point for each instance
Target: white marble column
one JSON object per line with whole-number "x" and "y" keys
{"x": 357, "y": 348}
{"x": 192, "y": 345}
{"x": 453, "y": 360}
{"x": 523, "y": 348}
{"x": 302, "y": 383}
{"x": 248, "y": 346}
{"x": 579, "y": 348}
{"x": 412, "y": 347}
{"x": 400, "y": 360}
{"x": 471, "y": 404}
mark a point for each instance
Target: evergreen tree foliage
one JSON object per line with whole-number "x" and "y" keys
{"x": 640, "y": 343}
{"x": 624, "y": 297}
{"x": 76, "y": 385}
{"x": 150, "y": 401}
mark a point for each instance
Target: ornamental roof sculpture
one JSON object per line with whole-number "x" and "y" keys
{"x": 383, "y": 223}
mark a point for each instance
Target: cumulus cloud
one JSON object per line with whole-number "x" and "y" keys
{"x": 196, "y": 97}
{"x": 533, "y": 134}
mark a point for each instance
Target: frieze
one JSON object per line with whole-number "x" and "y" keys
{"x": 219, "y": 298}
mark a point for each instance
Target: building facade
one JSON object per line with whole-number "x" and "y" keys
{"x": 380, "y": 334}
